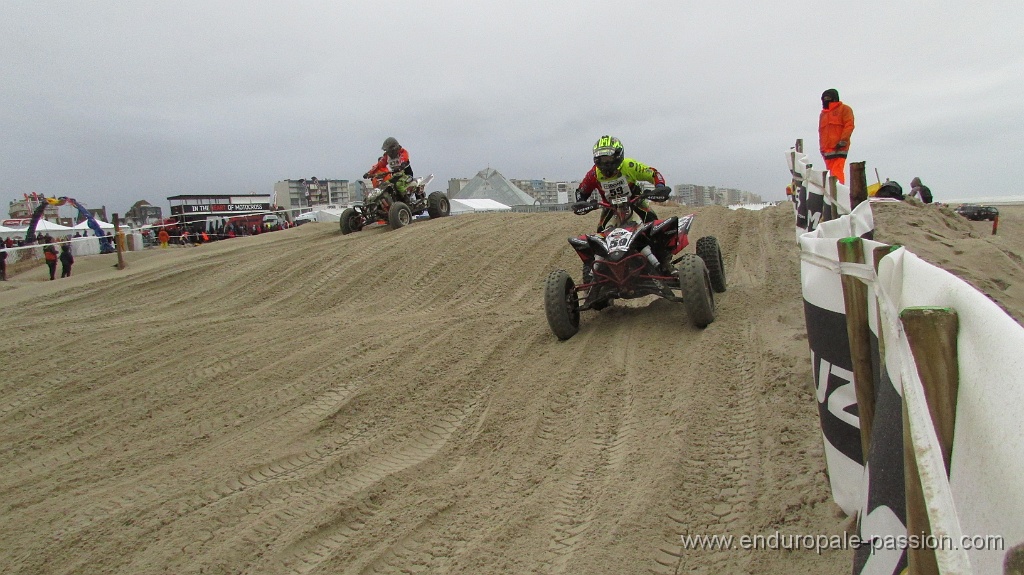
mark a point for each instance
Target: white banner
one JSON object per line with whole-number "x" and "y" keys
{"x": 978, "y": 510}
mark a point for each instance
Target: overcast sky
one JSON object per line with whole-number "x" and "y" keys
{"x": 112, "y": 102}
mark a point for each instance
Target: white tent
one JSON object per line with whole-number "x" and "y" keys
{"x": 84, "y": 225}
{"x": 322, "y": 215}
{"x": 6, "y": 232}
{"x": 48, "y": 226}
{"x": 463, "y": 206}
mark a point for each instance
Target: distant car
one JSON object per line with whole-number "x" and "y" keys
{"x": 976, "y": 212}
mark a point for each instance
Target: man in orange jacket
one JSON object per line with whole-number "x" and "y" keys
{"x": 835, "y": 126}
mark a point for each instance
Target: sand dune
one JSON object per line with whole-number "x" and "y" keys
{"x": 394, "y": 402}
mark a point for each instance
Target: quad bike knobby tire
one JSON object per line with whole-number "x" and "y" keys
{"x": 399, "y": 215}
{"x": 561, "y": 304}
{"x": 351, "y": 221}
{"x": 438, "y": 205}
{"x": 709, "y": 251}
{"x": 696, "y": 285}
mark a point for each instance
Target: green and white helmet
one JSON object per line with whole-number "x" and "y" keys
{"x": 608, "y": 153}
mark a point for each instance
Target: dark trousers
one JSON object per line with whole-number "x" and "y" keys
{"x": 53, "y": 269}
{"x": 65, "y": 270}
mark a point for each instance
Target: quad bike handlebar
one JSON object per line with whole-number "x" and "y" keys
{"x": 585, "y": 207}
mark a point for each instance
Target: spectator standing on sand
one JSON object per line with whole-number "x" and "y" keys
{"x": 835, "y": 126}
{"x": 66, "y": 259}
{"x": 917, "y": 189}
{"x": 164, "y": 237}
{"x": 50, "y": 254}
{"x": 3, "y": 263}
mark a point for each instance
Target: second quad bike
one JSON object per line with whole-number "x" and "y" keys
{"x": 384, "y": 204}
{"x": 632, "y": 259}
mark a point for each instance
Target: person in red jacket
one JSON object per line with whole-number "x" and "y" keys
{"x": 835, "y": 126}
{"x": 392, "y": 166}
{"x": 50, "y": 255}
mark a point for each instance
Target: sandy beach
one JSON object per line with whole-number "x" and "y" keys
{"x": 394, "y": 402}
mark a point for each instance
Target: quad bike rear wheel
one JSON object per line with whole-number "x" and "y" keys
{"x": 438, "y": 205}
{"x": 697, "y": 294}
{"x": 709, "y": 251}
{"x": 561, "y": 304}
{"x": 399, "y": 215}
{"x": 351, "y": 221}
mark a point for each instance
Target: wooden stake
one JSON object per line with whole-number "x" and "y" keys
{"x": 833, "y": 194}
{"x": 919, "y": 561}
{"x": 826, "y": 207}
{"x": 858, "y": 184}
{"x": 932, "y": 333}
{"x": 1013, "y": 562}
{"x": 855, "y": 297}
{"x": 119, "y": 243}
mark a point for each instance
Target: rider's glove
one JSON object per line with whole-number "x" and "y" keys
{"x": 661, "y": 193}
{"x": 581, "y": 208}
{"x": 579, "y": 195}
{"x": 366, "y": 176}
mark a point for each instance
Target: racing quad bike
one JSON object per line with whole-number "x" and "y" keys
{"x": 631, "y": 260}
{"x": 384, "y": 204}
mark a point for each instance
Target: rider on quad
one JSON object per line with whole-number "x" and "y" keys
{"x": 393, "y": 166}
{"x": 613, "y": 172}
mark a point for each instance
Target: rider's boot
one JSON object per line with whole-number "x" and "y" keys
{"x": 588, "y": 277}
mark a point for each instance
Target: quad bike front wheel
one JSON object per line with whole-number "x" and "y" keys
{"x": 438, "y": 205}
{"x": 351, "y": 221}
{"x": 709, "y": 251}
{"x": 696, "y": 285}
{"x": 399, "y": 215}
{"x": 561, "y": 304}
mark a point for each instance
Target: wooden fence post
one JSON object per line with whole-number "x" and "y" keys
{"x": 919, "y": 561}
{"x": 858, "y": 184}
{"x": 1013, "y": 562}
{"x": 833, "y": 195}
{"x": 827, "y": 209}
{"x": 119, "y": 243}
{"x": 855, "y": 297}
{"x": 932, "y": 333}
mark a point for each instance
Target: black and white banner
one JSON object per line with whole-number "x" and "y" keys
{"x": 975, "y": 510}
{"x": 813, "y": 205}
{"x": 873, "y": 492}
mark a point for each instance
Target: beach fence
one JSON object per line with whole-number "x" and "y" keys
{"x": 816, "y": 194}
{"x": 917, "y": 380}
{"x": 20, "y": 258}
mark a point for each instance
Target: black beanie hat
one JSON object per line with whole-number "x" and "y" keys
{"x": 831, "y": 92}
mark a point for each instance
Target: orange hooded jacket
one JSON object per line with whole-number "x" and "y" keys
{"x": 834, "y": 125}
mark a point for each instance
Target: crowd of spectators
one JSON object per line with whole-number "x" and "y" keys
{"x": 197, "y": 233}
{"x": 193, "y": 234}
{"x": 41, "y": 239}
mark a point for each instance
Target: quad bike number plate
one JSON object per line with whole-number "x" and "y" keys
{"x": 618, "y": 240}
